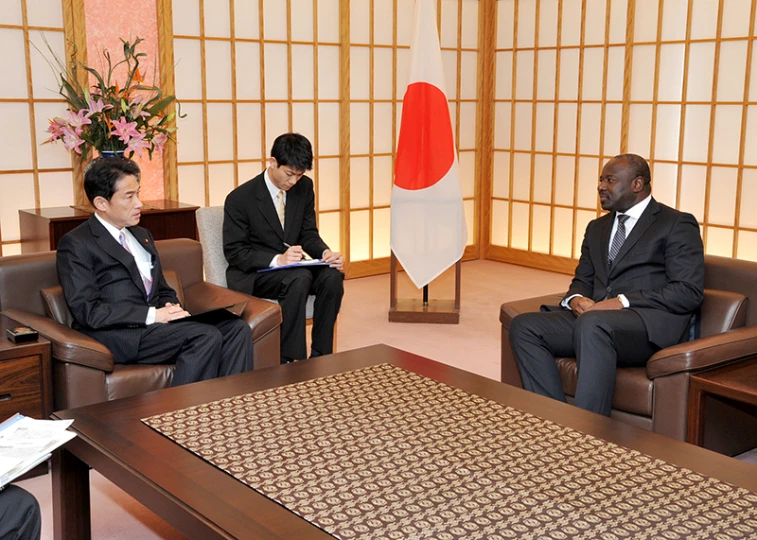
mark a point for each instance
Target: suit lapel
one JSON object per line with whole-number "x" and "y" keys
{"x": 267, "y": 209}
{"x": 141, "y": 236}
{"x": 645, "y": 220}
{"x": 111, "y": 246}
{"x": 604, "y": 239}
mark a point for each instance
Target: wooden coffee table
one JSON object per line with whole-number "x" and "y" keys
{"x": 202, "y": 501}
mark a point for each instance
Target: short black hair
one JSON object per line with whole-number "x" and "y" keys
{"x": 294, "y": 150}
{"x": 102, "y": 174}
{"x": 638, "y": 166}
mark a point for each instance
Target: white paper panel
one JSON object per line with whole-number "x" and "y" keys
{"x": 569, "y": 74}
{"x": 248, "y": 170}
{"x": 186, "y": 21}
{"x": 501, "y": 173}
{"x": 722, "y": 196}
{"x": 275, "y": 20}
{"x": 468, "y": 74}
{"x": 360, "y": 25}
{"x": 719, "y": 242}
{"x": 613, "y": 122}
{"x": 49, "y": 156}
{"x": 328, "y": 129}
{"x": 56, "y": 189}
{"x": 566, "y": 128}
{"x": 469, "y": 212}
{"x": 13, "y": 81}
{"x": 328, "y": 227}
{"x": 747, "y": 215}
{"x": 642, "y": 77}
{"x": 704, "y": 19}
{"x": 327, "y": 184}
{"x": 45, "y": 81}
{"x": 301, "y": 21}
{"x": 360, "y": 182}
{"x": 701, "y": 61}
{"x": 668, "y": 131}
{"x": 250, "y": 131}
{"x": 731, "y": 71}
{"x": 220, "y": 134}
{"x": 403, "y": 71}
{"x": 276, "y": 123}
{"x": 467, "y": 126}
{"x": 187, "y": 71}
{"x": 542, "y": 223}
{"x": 248, "y": 70}
{"x": 571, "y": 22}
{"x": 328, "y": 72}
{"x": 11, "y": 249}
{"x": 448, "y": 36}
{"x": 502, "y": 125}
{"x": 596, "y": 20}
{"x": 564, "y": 180}
{"x": 328, "y": 20}
{"x": 383, "y": 22}
{"x": 542, "y": 178}
{"x": 591, "y": 128}
{"x": 664, "y": 182}
{"x": 10, "y": 12}
{"x": 674, "y": 19}
{"x": 583, "y": 217}
{"x": 192, "y": 184}
{"x": 547, "y": 23}
{"x": 246, "y": 18}
{"x": 545, "y": 127}
{"x": 747, "y": 246}
{"x": 727, "y": 134}
{"x": 360, "y": 78}
{"x": 524, "y": 76}
{"x": 16, "y": 143}
{"x": 523, "y": 113}
{"x": 526, "y": 24}
{"x": 615, "y": 62}
{"x": 562, "y": 232}
{"x": 359, "y": 124}
{"x": 693, "y": 182}
{"x": 382, "y": 128}
{"x": 276, "y": 70}
{"x": 521, "y": 225}
{"x": 696, "y": 133}
{"x": 467, "y": 164}
{"x": 405, "y": 10}
{"x": 359, "y": 235}
{"x": 381, "y": 229}
{"x": 383, "y": 179}
{"x": 217, "y": 19}
{"x": 506, "y": 23}
{"x": 671, "y": 72}
{"x": 736, "y": 18}
{"x": 383, "y": 71}
{"x": 449, "y": 65}
{"x": 303, "y": 120}
{"x": 591, "y": 86}
{"x": 45, "y": 13}
{"x": 302, "y": 72}
{"x": 504, "y": 79}
{"x": 645, "y": 24}
{"x": 521, "y": 176}
{"x": 750, "y": 137}
{"x": 190, "y": 134}
{"x": 218, "y": 69}
{"x": 545, "y": 83}
{"x": 22, "y": 188}
{"x": 221, "y": 182}
{"x": 640, "y": 129}
{"x": 588, "y": 177}
{"x": 618, "y": 12}
{"x": 500, "y": 223}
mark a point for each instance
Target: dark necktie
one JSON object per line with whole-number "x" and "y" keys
{"x": 618, "y": 239}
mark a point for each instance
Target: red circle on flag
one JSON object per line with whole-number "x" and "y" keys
{"x": 425, "y": 151}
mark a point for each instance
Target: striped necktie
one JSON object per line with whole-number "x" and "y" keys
{"x": 618, "y": 239}
{"x": 145, "y": 281}
{"x": 280, "y": 206}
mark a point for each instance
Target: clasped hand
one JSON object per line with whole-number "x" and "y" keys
{"x": 581, "y": 304}
{"x": 170, "y": 312}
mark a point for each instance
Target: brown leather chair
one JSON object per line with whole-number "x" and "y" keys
{"x": 655, "y": 397}
{"x": 83, "y": 369}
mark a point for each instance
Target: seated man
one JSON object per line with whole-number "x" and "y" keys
{"x": 20, "y": 518}
{"x": 269, "y": 222}
{"x": 638, "y": 282}
{"x": 114, "y": 286}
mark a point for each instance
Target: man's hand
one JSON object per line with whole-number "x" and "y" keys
{"x": 292, "y": 255}
{"x": 609, "y": 304}
{"x": 170, "y": 312}
{"x": 580, "y": 304}
{"x": 334, "y": 259}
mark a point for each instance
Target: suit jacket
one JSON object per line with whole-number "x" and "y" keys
{"x": 660, "y": 269}
{"x": 103, "y": 287}
{"x": 252, "y": 233}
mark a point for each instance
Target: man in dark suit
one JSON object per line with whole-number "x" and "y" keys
{"x": 114, "y": 286}
{"x": 638, "y": 282}
{"x": 20, "y": 518}
{"x": 269, "y": 221}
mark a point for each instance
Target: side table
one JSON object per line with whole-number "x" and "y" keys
{"x": 737, "y": 382}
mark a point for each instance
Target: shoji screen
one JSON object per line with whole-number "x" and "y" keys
{"x": 30, "y": 175}
{"x": 247, "y": 71}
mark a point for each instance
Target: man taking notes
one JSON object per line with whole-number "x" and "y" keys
{"x": 113, "y": 282}
{"x": 638, "y": 282}
{"x": 269, "y": 222}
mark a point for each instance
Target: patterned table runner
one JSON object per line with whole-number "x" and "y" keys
{"x": 380, "y": 452}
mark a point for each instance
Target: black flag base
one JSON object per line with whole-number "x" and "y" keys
{"x": 423, "y": 311}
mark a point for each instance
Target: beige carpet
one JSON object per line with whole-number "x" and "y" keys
{"x": 473, "y": 345}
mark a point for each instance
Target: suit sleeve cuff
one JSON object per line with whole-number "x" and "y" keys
{"x": 150, "y": 316}
{"x": 624, "y": 301}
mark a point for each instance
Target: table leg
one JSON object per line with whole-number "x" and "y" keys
{"x": 71, "y": 513}
{"x": 696, "y": 415}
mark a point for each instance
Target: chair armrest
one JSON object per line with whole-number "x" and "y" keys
{"x": 68, "y": 345}
{"x": 529, "y": 305}
{"x": 262, "y": 316}
{"x": 704, "y": 353}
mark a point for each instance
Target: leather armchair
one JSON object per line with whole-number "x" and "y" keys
{"x": 655, "y": 397}
{"x": 83, "y": 368}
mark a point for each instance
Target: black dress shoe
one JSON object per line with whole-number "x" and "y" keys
{"x": 285, "y": 360}
{"x": 314, "y": 353}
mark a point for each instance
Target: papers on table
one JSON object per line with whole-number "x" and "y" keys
{"x": 304, "y": 262}
{"x": 26, "y": 442}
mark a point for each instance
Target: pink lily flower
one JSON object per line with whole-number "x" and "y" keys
{"x": 125, "y": 129}
{"x": 77, "y": 120}
{"x": 137, "y": 143}
{"x": 72, "y": 141}
{"x": 97, "y": 106}
{"x": 159, "y": 142}
{"x": 55, "y": 129}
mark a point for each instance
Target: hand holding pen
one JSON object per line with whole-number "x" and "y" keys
{"x": 293, "y": 254}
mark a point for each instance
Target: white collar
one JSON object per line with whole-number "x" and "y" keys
{"x": 272, "y": 189}
{"x": 114, "y": 231}
{"x": 637, "y": 209}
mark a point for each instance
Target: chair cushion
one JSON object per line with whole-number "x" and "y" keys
{"x": 210, "y": 227}
{"x": 131, "y": 379}
{"x": 309, "y": 306}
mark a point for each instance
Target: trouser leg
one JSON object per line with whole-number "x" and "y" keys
{"x": 328, "y": 287}
{"x": 237, "y": 349}
{"x": 20, "y": 516}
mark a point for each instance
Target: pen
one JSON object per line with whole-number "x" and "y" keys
{"x": 304, "y": 255}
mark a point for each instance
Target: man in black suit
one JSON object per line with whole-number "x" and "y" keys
{"x": 269, "y": 221}
{"x": 638, "y": 282}
{"x": 114, "y": 286}
{"x": 20, "y": 518}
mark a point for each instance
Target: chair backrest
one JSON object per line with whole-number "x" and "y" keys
{"x": 735, "y": 275}
{"x": 210, "y": 227}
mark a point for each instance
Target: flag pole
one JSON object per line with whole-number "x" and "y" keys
{"x": 425, "y": 295}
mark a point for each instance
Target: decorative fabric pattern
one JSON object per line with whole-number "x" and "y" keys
{"x": 380, "y": 452}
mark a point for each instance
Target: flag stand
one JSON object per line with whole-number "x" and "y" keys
{"x": 425, "y": 311}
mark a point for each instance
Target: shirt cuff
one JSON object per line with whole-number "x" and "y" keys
{"x": 566, "y": 302}
{"x": 150, "y": 316}
{"x": 274, "y": 261}
{"x": 624, "y": 300}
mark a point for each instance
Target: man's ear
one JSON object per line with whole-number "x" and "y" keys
{"x": 637, "y": 184}
{"x": 273, "y": 163}
{"x": 100, "y": 203}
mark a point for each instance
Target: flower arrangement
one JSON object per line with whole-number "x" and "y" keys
{"x": 110, "y": 117}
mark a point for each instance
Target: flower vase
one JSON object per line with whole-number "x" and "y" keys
{"x": 112, "y": 153}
